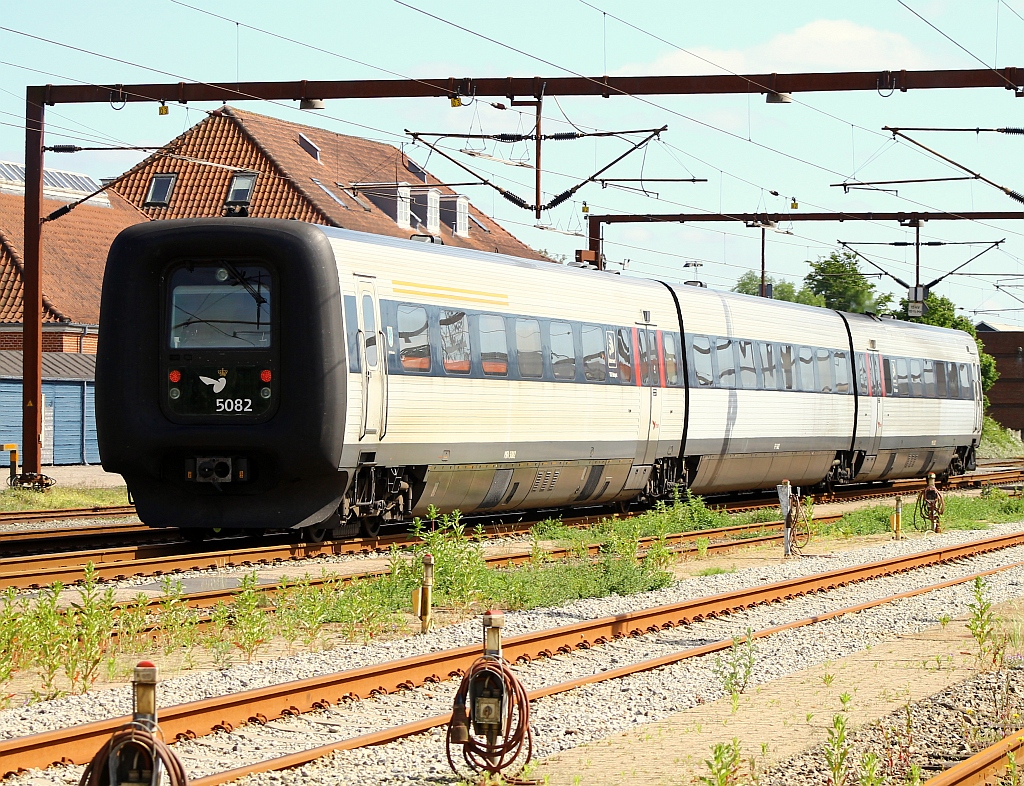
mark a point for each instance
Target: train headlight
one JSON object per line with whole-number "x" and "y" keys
{"x": 175, "y": 393}
{"x": 221, "y": 274}
{"x": 265, "y": 392}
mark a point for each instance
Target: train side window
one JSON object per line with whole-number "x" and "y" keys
{"x": 671, "y": 348}
{"x": 726, "y": 363}
{"x": 805, "y": 369}
{"x": 940, "y": 379}
{"x": 594, "y": 366}
{"x": 928, "y": 378}
{"x": 902, "y": 377}
{"x": 841, "y": 366}
{"x": 413, "y": 339}
{"x": 787, "y": 367}
{"x": 644, "y": 357}
{"x": 493, "y": 345}
{"x": 748, "y": 370}
{"x": 369, "y": 332}
{"x": 875, "y": 380}
{"x": 916, "y": 379}
{"x": 952, "y": 381}
{"x": 889, "y": 369}
{"x": 702, "y": 369}
{"x": 563, "y": 351}
{"x": 455, "y": 355}
{"x": 862, "y": 373}
{"x": 528, "y": 348}
{"x": 823, "y": 360}
{"x": 966, "y": 389}
{"x": 766, "y": 354}
{"x": 624, "y": 349}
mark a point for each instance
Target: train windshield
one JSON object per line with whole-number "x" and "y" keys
{"x": 224, "y": 306}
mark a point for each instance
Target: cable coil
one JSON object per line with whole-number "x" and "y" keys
{"x": 97, "y": 772}
{"x": 516, "y": 736}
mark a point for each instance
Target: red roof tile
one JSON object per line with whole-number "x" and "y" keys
{"x": 75, "y": 250}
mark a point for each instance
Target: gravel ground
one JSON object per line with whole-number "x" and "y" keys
{"x": 562, "y": 721}
{"x": 23, "y": 526}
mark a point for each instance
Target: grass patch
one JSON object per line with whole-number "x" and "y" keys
{"x": 993, "y": 507}
{"x": 715, "y": 571}
{"x": 998, "y": 442}
{"x": 687, "y": 513}
{"x": 60, "y": 497}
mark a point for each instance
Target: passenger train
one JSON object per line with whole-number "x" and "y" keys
{"x": 266, "y": 374}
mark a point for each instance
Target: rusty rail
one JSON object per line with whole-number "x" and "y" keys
{"x": 57, "y": 514}
{"x": 983, "y": 767}
{"x": 194, "y": 719}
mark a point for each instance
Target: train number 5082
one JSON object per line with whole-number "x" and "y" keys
{"x": 234, "y": 405}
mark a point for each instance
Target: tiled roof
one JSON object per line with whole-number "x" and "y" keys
{"x": 56, "y": 365}
{"x": 285, "y": 188}
{"x": 75, "y": 250}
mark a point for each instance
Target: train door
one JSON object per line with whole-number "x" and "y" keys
{"x": 649, "y": 377}
{"x": 874, "y": 402}
{"x": 372, "y": 348}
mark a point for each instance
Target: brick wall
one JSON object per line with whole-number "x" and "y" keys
{"x": 53, "y": 342}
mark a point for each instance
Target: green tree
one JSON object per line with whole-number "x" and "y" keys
{"x": 839, "y": 281}
{"x": 941, "y": 311}
{"x": 750, "y": 284}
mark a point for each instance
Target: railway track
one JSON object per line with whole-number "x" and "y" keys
{"x": 224, "y": 713}
{"x": 984, "y": 767}
{"x": 29, "y": 572}
{"x": 110, "y": 538}
{"x": 59, "y": 514}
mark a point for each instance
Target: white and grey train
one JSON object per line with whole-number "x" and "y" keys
{"x": 276, "y": 374}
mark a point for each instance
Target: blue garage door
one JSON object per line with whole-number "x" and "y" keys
{"x": 74, "y": 419}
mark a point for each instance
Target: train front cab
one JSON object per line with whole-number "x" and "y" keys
{"x": 220, "y": 388}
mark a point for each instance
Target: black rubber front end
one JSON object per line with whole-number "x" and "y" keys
{"x": 293, "y": 456}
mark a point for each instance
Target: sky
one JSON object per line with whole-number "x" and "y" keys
{"x": 744, "y": 147}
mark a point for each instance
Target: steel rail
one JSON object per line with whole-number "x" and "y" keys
{"x": 77, "y": 744}
{"x": 982, "y": 768}
{"x": 209, "y": 598}
{"x": 417, "y": 727}
{"x": 57, "y": 514}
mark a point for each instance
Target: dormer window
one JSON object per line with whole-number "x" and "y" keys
{"x": 454, "y": 212}
{"x": 309, "y": 146}
{"x": 160, "y": 189}
{"x": 240, "y": 190}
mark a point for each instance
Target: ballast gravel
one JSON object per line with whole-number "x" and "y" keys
{"x": 566, "y": 720}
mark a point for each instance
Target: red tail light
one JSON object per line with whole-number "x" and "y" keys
{"x": 265, "y": 375}
{"x": 175, "y": 376}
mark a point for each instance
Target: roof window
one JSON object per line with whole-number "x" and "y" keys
{"x": 329, "y": 193}
{"x": 160, "y": 189}
{"x": 393, "y": 199}
{"x": 309, "y": 146}
{"x": 240, "y": 190}
{"x": 454, "y": 211}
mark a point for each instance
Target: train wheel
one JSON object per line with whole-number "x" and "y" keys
{"x": 369, "y": 527}
{"x": 315, "y": 534}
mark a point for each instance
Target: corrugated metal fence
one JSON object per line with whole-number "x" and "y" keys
{"x": 69, "y": 420}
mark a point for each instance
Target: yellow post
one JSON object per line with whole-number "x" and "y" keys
{"x": 14, "y": 460}
{"x": 897, "y": 520}
{"x": 427, "y": 597}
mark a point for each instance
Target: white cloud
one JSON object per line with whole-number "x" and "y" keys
{"x": 822, "y": 45}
